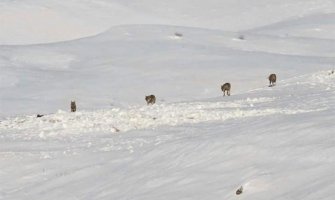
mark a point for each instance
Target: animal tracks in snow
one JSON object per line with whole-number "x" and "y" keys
{"x": 146, "y": 117}
{"x": 175, "y": 114}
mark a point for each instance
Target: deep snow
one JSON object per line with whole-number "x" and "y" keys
{"x": 277, "y": 142}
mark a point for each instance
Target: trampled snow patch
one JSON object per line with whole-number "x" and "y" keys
{"x": 145, "y": 117}
{"x": 324, "y": 77}
{"x": 258, "y": 103}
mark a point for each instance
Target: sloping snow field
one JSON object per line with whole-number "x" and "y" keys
{"x": 276, "y": 142}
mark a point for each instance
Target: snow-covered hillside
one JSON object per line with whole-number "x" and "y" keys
{"x": 121, "y": 66}
{"x": 45, "y": 21}
{"x": 277, "y": 142}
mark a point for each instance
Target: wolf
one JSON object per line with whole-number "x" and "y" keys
{"x": 151, "y": 99}
{"x": 239, "y": 190}
{"x": 272, "y": 79}
{"x": 226, "y": 87}
{"x": 73, "y": 106}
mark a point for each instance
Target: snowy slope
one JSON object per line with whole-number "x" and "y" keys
{"x": 277, "y": 142}
{"x": 119, "y": 67}
{"x": 260, "y": 102}
{"x": 45, "y": 21}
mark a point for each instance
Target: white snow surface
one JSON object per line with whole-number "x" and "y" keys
{"x": 276, "y": 142}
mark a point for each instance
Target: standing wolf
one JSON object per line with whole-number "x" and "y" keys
{"x": 226, "y": 87}
{"x": 73, "y": 106}
{"x": 272, "y": 79}
{"x": 151, "y": 99}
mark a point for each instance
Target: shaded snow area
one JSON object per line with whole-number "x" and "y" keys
{"x": 194, "y": 143}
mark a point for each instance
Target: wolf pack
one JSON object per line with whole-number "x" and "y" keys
{"x": 225, "y": 88}
{"x": 151, "y": 99}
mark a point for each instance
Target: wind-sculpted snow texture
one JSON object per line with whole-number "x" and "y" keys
{"x": 193, "y": 143}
